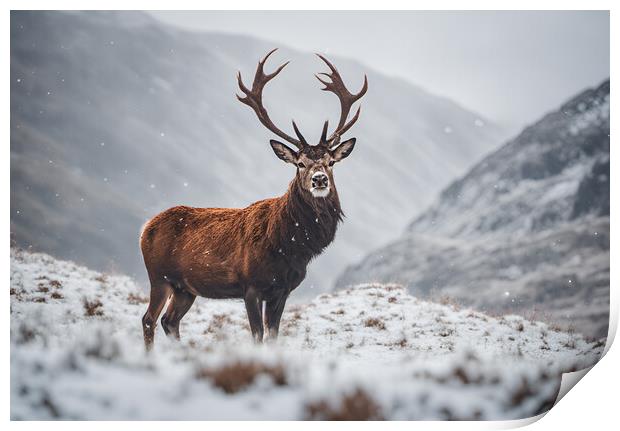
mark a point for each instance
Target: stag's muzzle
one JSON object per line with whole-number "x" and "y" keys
{"x": 320, "y": 185}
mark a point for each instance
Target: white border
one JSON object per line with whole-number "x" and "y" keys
{"x": 592, "y": 403}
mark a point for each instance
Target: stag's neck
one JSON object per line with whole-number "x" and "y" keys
{"x": 308, "y": 224}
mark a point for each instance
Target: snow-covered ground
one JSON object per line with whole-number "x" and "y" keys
{"x": 369, "y": 352}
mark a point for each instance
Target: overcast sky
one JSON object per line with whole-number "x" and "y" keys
{"x": 511, "y": 67}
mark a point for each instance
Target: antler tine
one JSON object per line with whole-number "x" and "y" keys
{"x": 299, "y": 135}
{"x": 262, "y": 78}
{"x": 347, "y": 99}
{"x": 324, "y": 134}
{"x": 254, "y": 99}
{"x": 335, "y": 137}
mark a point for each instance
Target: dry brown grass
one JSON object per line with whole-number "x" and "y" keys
{"x": 234, "y": 377}
{"x": 357, "y": 406}
{"x": 55, "y": 284}
{"x": 555, "y": 327}
{"x": 374, "y": 322}
{"x": 402, "y": 343}
{"x": 446, "y": 332}
{"x": 137, "y": 299}
{"x": 18, "y": 294}
{"x": 102, "y": 278}
{"x": 570, "y": 343}
{"x": 449, "y": 301}
{"x": 56, "y": 295}
{"x": 92, "y": 308}
{"x": 217, "y": 323}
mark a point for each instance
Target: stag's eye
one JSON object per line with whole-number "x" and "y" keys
{"x": 301, "y": 165}
{"x": 331, "y": 163}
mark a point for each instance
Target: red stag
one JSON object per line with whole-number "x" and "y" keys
{"x": 259, "y": 253}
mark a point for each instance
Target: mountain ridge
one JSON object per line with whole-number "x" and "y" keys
{"x": 526, "y": 230}
{"x": 112, "y": 123}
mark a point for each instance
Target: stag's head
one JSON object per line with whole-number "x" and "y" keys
{"x": 314, "y": 162}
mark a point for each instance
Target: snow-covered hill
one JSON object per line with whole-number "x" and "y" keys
{"x": 525, "y": 231}
{"x": 116, "y": 117}
{"x": 368, "y": 352}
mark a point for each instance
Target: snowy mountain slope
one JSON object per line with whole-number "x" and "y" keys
{"x": 525, "y": 231}
{"x": 115, "y": 117}
{"x": 369, "y": 352}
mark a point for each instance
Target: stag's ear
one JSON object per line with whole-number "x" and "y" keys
{"x": 283, "y": 152}
{"x": 343, "y": 150}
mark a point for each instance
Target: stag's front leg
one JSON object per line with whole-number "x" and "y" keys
{"x": 254, "y": 307}
{"x": 273, "y": 313}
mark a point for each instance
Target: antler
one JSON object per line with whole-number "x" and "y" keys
{"x": 347, "y": 99}
{"x": 254, "y": 99}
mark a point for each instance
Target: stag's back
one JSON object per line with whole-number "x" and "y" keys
{"x": 223, "y": 241}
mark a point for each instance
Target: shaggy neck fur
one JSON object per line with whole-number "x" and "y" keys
{"x": 307, "y": 224}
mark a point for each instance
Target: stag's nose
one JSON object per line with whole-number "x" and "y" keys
{"x": 320, "y": 180}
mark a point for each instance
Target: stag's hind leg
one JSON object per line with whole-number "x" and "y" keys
{"x": 179, "y": 305}
{"x": 160, "y": 292}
